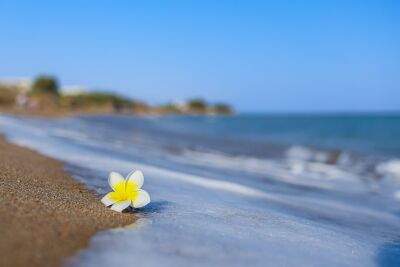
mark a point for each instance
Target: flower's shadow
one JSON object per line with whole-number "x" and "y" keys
{"x": 151, "y": 208}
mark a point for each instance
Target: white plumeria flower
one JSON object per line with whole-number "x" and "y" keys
{"x": 127, "y": 191}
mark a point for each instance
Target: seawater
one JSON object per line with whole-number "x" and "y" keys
{"x": 254, "y": 189}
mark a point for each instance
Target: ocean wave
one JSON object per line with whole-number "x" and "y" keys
{"x": 389, "y": 168}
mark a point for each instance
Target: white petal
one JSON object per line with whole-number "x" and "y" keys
{"x": 114, "y": 179}
{"x": 120, "y": 206}
{"x": 136, "y": 177}
{"x": 107, "y": 200}
{"x": 142, "y": 199}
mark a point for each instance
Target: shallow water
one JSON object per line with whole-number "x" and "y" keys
{"x": 248, "y": 190}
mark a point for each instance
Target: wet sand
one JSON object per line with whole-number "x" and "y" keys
{"x": 45, "y": 215}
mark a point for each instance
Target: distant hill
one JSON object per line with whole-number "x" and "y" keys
{"x": 44, "y": 94}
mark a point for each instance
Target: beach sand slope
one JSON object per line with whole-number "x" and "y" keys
{"x": 45, "y": 215}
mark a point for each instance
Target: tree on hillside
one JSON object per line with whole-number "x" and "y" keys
{"x": 97, "y": 99}
{"x": 197, "y": 104}
{"x": 222, "y": 108}
{"x": 45, "y": 85}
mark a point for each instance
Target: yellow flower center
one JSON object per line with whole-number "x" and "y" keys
{"x": 125, "y": 191}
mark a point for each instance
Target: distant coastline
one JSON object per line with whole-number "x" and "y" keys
{"x": 43, "y": 97}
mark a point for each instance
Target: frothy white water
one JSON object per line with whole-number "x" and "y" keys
{"x": 390, "y": 168}
{"x": 204, "y": 219}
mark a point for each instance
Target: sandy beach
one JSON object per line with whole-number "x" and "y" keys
{"x": 46, "y": 215}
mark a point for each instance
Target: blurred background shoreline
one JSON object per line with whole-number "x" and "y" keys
{"x": 43, "y": 96}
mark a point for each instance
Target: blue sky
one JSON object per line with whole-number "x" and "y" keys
{"x": 257, "y": 55}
